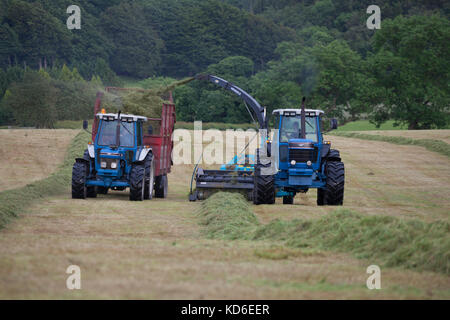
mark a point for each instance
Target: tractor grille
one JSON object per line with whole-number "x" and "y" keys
{"x": 303, "y": 155}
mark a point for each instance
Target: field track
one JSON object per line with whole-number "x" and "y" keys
{"x": 156, "y": 250}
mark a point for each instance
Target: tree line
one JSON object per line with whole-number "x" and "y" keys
{"x": 277, "y": 50}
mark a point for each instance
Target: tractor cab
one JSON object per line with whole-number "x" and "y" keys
{"x": 118, "y": 142}
{"x": 299, "y": 145}
{"x": 117, "y": 159}
{"x": 295, "y": 150}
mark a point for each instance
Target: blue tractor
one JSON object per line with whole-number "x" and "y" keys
{"x": 294, "y": 161}
{"x": 117, "y": 159}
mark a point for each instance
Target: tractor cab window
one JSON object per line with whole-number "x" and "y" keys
{"x": 291, "y": 128}
{"x": 108, "y": 134}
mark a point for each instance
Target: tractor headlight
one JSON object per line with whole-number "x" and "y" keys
{"x": 293, "y": 162}
{"x": 103, "y": 164}
{"x": 113, "y": 165}
{"x": 309, "y": 163}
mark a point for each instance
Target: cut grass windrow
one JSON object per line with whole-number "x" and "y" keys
{"x": 383, "y": 240}
{"x": 430, "y": 144}
{"x": 14, "y": 201}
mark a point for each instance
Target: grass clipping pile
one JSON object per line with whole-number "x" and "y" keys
{"x": 385, "y": 240}
{"x": 148, "y": 103}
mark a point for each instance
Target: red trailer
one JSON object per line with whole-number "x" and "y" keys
{"x": 160, "y": 142}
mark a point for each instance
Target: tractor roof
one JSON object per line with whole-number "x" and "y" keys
{"x": 124, "y": 117}
{"x": 298, "y": 111}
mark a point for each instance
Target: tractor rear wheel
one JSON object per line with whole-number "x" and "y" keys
{"x": 149, "y": 177}
{"x": 161, "y": 186}
{"x": 264, "y": 188}
{"x": 288, "y": 200}
{"x": 137, "y": 182}
{"x": 334, "y": 189}
{"x": 79, "y": 173}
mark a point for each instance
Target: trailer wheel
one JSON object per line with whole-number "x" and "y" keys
{"x": 288, "y": 200}
{"x": 79, "y": 173}
{"x": 137, "y": 182}
{"x": 149, "y": 177}
{"x": 264, "y": 188}
{"x": 334, "y": 189}
{"x": 91, "y": 191}
{"x": 161, "y": 186}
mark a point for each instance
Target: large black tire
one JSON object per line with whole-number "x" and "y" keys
{"x": 334, "y": 155}
{"x": 334, "y": 189}
{"x": 91, "y": 191}
{"x": 137, "y": 182}
{"x": 149, "y": 177}
{"x": 264, "y": 188}
{"x": 79, "y": 173}
{"x": 320, "y": 197}
{"x": 102, "y": 190}
{"x": 161, "y": 186}
{"x": 288, "y": 200}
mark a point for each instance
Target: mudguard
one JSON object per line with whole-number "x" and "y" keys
{"x": 143, "y": 154}
{"x": 81, "y": 160}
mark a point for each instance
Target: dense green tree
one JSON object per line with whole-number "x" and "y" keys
{"x": 199, "y": 33}
{"x": 33, "y": 101}
{"x": 410, "y": 71}
{"x": 339, "y": 78}
{"x": 10, "y": 46}
{"x": 42, "y": 37}
{"x": 137, "y": 45}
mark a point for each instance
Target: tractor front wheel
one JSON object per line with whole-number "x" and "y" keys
{"x": 79, "y": 173}
{"x": 137, "y": 182}
{"x": 288, "y": 200}
{"x": 320, "y": 197}
{"x": 91, "y": 191}
{"x": 264, "y": 188}
{"x": 333, "y": 194}
{"x": 161, "y": 186}
{"x": 102, "y": 190}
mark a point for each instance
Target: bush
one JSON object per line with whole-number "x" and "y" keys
{"x": 33, "y": 101}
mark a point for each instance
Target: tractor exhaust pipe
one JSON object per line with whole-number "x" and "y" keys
{"x": 303, "y": 120}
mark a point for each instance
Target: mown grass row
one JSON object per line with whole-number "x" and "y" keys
{"x": 385, "y": 240}
{"x": 438, "y": 146}
{"x": 12, "y": 202}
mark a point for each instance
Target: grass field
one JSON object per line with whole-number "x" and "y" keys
{"x": 365, "y": 125}
{"x": 30, "y": 155}
{"x": 443, "y": 135}
{"x": 163, "y": 249}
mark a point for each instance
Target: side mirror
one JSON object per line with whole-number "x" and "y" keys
{"x": 333, "y": 124}
{"x": 85, "y": 124}
{"x": 150, "y": 130}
